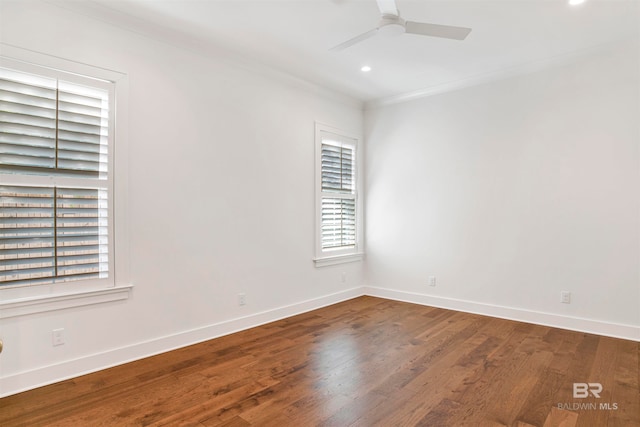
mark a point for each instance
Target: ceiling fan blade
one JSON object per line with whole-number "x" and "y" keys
{"x": 355, "y": 40}
{"x": 435, "y": 30}
{"x": 388, "y": 7}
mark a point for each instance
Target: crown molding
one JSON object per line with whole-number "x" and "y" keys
{"x": 200, "y": 46}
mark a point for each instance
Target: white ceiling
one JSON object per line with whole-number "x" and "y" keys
{"x": 295, "y": 36}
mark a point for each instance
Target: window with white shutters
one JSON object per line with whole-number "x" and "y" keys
{"x": 55, "y": 179}
{"x": 338, "y": 214}
{"x": 338, "y": 199}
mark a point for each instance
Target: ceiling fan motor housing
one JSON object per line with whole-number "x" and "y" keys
{"x": 391, "y": 25}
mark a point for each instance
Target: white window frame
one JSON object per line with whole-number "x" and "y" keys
{"x": 325, "y": 257}
{"x": 25, "y": 299}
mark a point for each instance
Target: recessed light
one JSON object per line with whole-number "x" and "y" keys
{"x": 365, "y": 69}
{"x": 575, "y": 2}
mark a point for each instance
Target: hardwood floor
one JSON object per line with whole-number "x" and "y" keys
{"x": 363, "y": 362}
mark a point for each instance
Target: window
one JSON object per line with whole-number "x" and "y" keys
{"x": 56, "y": 184}
{"x": 338, "y": 206}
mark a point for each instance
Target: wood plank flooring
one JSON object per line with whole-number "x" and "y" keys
{"x": 363, "y": 362}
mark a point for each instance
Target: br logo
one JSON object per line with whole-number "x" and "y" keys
{"x": 582, "y": 390}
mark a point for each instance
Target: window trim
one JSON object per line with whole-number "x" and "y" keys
{"x": 40, "y": 304}
{"x": 46, "y": 297}
{"x": 344, "y": 255}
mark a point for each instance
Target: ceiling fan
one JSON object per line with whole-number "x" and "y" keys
{"x": 391, "y": 23}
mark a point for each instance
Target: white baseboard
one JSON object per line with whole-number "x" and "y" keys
{"x": 629, "y": 332}
{"x": 45, "y": 375}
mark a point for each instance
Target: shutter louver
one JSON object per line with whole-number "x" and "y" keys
{"x": 82, "y": 132}
{"x": 338, "y": 223}
{"x": 337, "y": 168}
{"x": 338, "y": 203}
{"x": 27, "y": 242}
{"x": 52, "y": 232}
{"x": 27, "y": 125}
{"x": 81, "y": 243}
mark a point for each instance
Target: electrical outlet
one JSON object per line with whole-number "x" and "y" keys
{"x": 432, "y": 280}
{"x": 57, "y": 337}
{"x": 565, "y": 297}
{"x": 242, "y": 299}
{"x": 343, "y": 277}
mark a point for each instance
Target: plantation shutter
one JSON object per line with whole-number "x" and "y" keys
{"x": 337, "y": 168}
{"x": 54, "y": 183}
{"x": 338, "y": 204}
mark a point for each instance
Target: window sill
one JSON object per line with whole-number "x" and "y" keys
{"x": 60, "y": 301}
{"x": 338, "y": 259}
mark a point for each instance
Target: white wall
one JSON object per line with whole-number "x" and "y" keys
{"x": 220, "y": 200}
{"x": 512, "y": 191}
